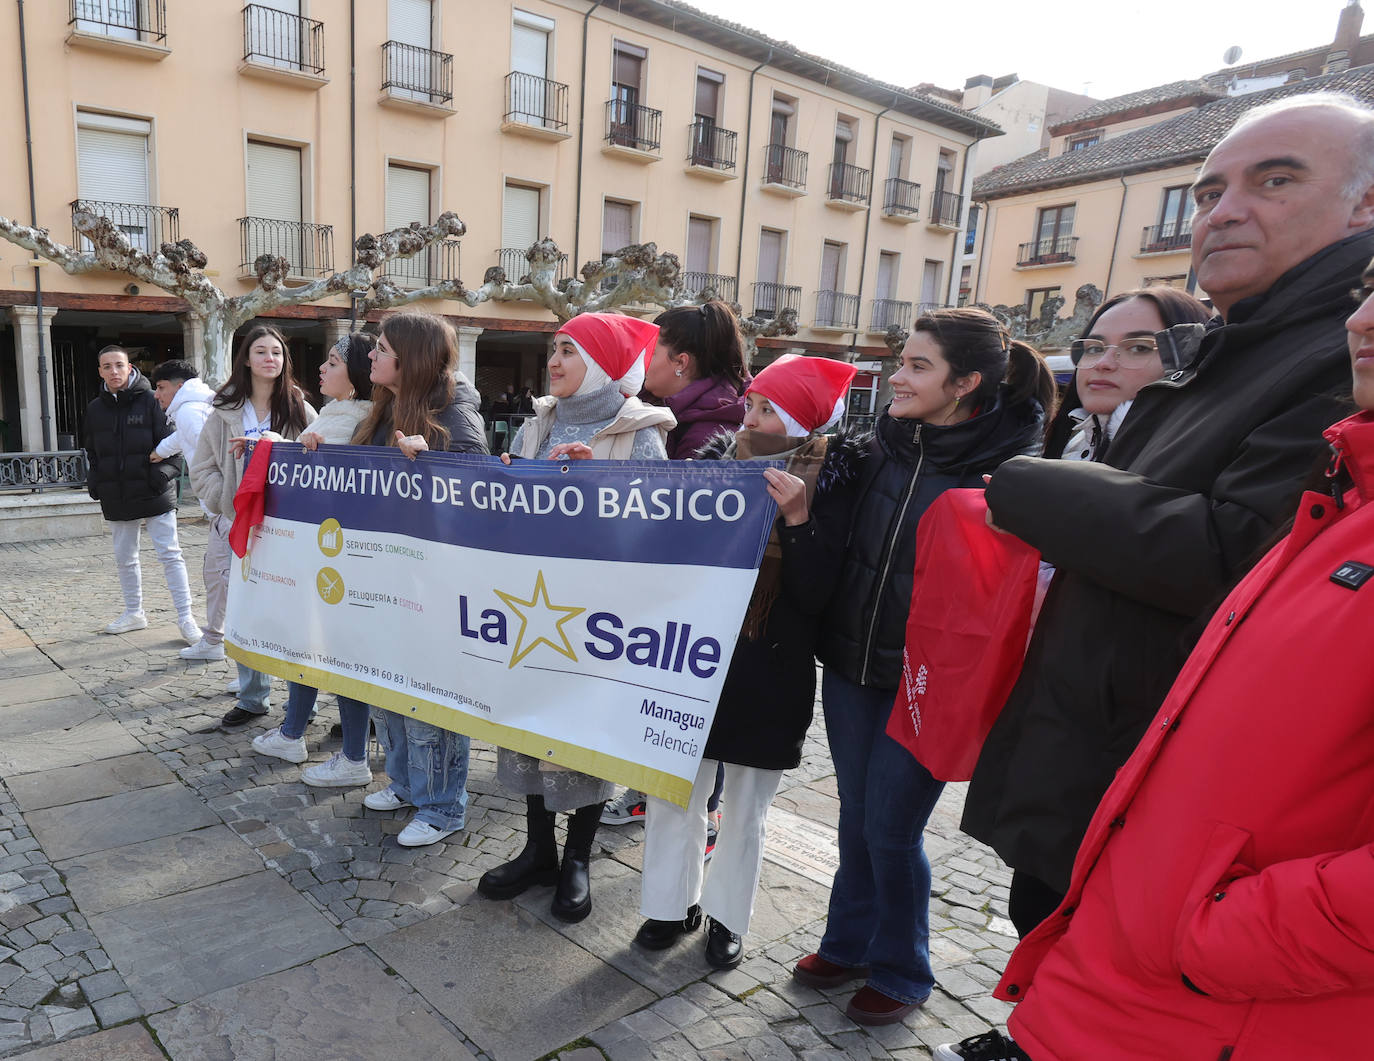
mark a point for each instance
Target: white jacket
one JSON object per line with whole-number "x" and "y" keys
{"x": 338, "y": 420}
{"x": 186, "y": 414}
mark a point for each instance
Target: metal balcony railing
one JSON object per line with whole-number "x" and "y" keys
{"x": 945, "y": 208}
{"x": 923, "y": 308}
{"x": 633, "y": 125}
{"x": 135, "y": 20}
{"x": 147, "y": 227}
{"x": 53, "y": 470}
{"x": 852, "y": 184}
{"x": 281, "y": 39}
{"x": 770, "y": 299}
{"x": 308, "y": 248}
{"x": 1170, "y": 236}
{"x": 721, "y": 286}
{"x": 536, "y": 101}
{"x": 516, "y": 265}
{"x": 1047, "y": 251}
{"x": 419, "y": 74}
{"x": 835, "y": 309}
{"x": 887, "y": 312}
{"x": 710, "y": 145}
{"x": 433, "y": 265}
{"x": 901, "y": 197}
{"x": 784, "y": 165}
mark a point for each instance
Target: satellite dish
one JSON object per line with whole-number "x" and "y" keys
{"x": 1231, "y": 55}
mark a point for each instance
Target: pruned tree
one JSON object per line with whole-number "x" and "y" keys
{"x": 1045, "y": 331}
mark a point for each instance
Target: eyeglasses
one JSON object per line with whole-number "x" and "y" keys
{"x": 1131, "y": 353}
{"x": 377, "y": 351}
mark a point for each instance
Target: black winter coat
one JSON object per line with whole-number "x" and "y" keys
{"x": 908, "y": 465}
{"x": 122, "y": 429}
{"x": 770, "y": 690}
{"x": 1208, "y": 463}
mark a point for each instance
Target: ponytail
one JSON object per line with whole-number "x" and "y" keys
{"x": 1029, "y": 377}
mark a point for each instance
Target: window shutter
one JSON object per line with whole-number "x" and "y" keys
{"x": 887, "y": 275}
{"x": 409, "y": 22}
{"x": 698, "y": 245}
{"x": 617, "y": 227}
{"x": 628, "y": 65}
{"x": 708, "y": 94}
{"x": 407, "y": 196}
{"x": 770, "y": 257}
{"x": 274, "y": 181}
{"x": 519, "y": 217}
{"x": 830, "y": 266}
{"x": 930, "y": 283}
{"x": 529, "y": 50}
{"x": 897, "y": 158}
{"x": 112, "y": 166}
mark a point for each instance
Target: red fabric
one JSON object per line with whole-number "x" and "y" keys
{"x": 965, "y": 634}
{"x": 807, "y": 388}
{"x": 1236, "y": 846}
{"x": 251, "y": 497}
{"x": 613, "y": 341}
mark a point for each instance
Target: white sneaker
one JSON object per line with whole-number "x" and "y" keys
{"x": 338, "y": 772}
{"x": 421, "y": 834}
{"x": 627, "y": 807}
{"x": 202, "y": 649}
{"x": 127, "y": 623}
{"x": 234, "y": 686}
{"x": 279, "y": 746}
{"x": 190, "y": 631}
{"x": 384, "y": 799}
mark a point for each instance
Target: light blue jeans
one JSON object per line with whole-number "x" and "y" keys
{"x": 253, "y": 689}
{"x": 428, "y": 767}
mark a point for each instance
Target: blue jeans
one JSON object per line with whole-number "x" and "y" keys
{"x": 428, "y": 767}
{"x": 353, "y": 714}
{"x": 880, "y": 902}
{"x": 253, "y": 688}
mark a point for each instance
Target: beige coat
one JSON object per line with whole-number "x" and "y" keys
{"x": 614, "y": 442}
{"x": 215, "y": 475}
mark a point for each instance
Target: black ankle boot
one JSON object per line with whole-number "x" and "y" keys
{"x": 572, "y": 900}
{"x": 660, "y": 935}
{"x": 724, "y": 949}
{"x": 536, "y": 864}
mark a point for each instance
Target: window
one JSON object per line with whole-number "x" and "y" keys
{"x": 408, "y": 200}
{"x": 274, "y": 33}
{"x": 1084, "y": 141}
{"x": 780, "y": 124}
{"x": 971, "y": 232}
{"x": 415, "y": 70}
{"x": 844, "y": 141}
{"x": 706, "y": 116}
{"x": 944, "y": 172}
{"x": 965, "y": 284}
{"x": 112, "y": 172}
{"x": 930, "y": 285}
{"x": 627, "y": 83}
{"x": 1053, "y": 229}
{"x": 1035, "y": 300}
{"x": 771, "y": 245}
{"x": 617, "y": 226}
{"x": 275, "y": 206}
{"x": 899, "y": 157}
{"x": 1175, "y": 212}
{"x": 888, "y": 263}
{"x": 112, "y": 18}
{"x": 783, "y": 165}
{"x": 530, "y": 52}
{"x": 701, "y": 233}
{"x": 519, "y": 216}
{"x": 832, "y": 266}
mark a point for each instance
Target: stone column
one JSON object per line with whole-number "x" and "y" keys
{"x": 335, "y": 328}
{"x": 26, "y": 333}
{"x": 467, "y": 352}
{"x": 193, "y": 345}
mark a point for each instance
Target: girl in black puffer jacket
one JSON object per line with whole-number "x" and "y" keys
{"x": 966, "y": 398}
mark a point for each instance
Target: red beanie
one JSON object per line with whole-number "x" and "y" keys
{"x": 614, "y": 342}
{"x": 808, "y": 389}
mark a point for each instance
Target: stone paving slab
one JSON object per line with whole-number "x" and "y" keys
{"x": 21, "y": 662}
{"x": 76, "y": 784}
{"x": 122, "y": 876}
{"x": 179, "y": 948}
{"x": 52, "y": 684}
{"x": 130, "y": 1042}
{"x": 341, "y": 1006}
{"x": 515, "y": 989}
{"x": 50, "y": 749}
{"x": 114, "y": 821}
{"x": 27, "y": 717}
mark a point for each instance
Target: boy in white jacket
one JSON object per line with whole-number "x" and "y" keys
{"x": 185, "y": 399}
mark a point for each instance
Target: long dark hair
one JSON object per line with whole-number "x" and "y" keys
{"x": 354, "y": 349}
{"x": 710, "y": 335}
{"x": 975, "y": 341}
{"x": 426, "y": 351}
{"x": 287, "y": 404}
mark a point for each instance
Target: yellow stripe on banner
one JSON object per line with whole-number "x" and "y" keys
{"x": 598, "y": 764}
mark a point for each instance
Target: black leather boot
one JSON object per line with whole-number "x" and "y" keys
{"x": 536, "y": 864}
{"x": 572, "y": 900}
{"x": 660, "y": 935}
{"x": 724, "y": 949}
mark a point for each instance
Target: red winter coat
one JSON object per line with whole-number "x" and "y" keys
{"x": 1235, "y": 850}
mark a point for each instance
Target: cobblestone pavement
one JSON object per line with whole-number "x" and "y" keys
{"x": 158, "y": 875}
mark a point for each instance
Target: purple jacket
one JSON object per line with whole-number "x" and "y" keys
{"x": 704, "y": 408}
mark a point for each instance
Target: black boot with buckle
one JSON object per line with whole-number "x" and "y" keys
{"x": 572, "y": 899}
{"x": 536, "y": 864}
{"x": 660, "y": 935}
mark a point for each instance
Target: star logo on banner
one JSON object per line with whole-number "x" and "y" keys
{"x": 540, "y": 622}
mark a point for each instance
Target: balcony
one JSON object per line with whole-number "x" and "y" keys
{"x": 417, "y": 78}
{"x": 308, "y": 248}
{"x": 147, "y": 227}
{"x": 945, "y": 210}
{"x": 514, "y": 261}
{"x": 836, "y": 311}
{"x": 435, "y": 264}
{"x": 535, "y": 106}
{"x": 1062, "y": 250}
{"x": 849, "y": 187}
{"x": 711, "y": 150}
{"x": 1167, "y": 238}
{"x": 135, "y": 27}
{"x": 282, "y": 46}
{"x": 887, "y": 312}
{"x": 633, "y": 130}
{"x": 784, "y": 170}
{"x": 901, "y": 199}
{"x": 925, "y": 308}
{"x": 712, "y": 285}
{"x": 771, "y": 299}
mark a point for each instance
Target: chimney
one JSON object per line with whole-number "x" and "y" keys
{"x": 977, "y": 91}
{"x": 1348, "y": 28}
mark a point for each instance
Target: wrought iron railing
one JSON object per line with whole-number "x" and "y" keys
{"x": 536, "y": 101}
{"x": 922, "y": 308}
{"x": 711, "y": 146}
{"x": 770, "y": 299}
{"x": 281, "y": 39}
{"x": 1170, "y": 236}
{"x": 719, "y": 285}
{"x": 137, "y": 20}
{"x": 835, "y": 309}
{"x": 945, "y": 208}
{"x": 56, "y": 470}
{"x": 516, "y": 265}
{"x": 784, "y": 165}
{"x": 853, "y": 184}
{"x": 1047, "y": 251}
{"x": 633, "y": 125}
{"x": 308, "y": 248}
{"x": 147, "y": 227}
{"x": 887, "y": 312}
{"x": 901, "y": 197}
{"x": 433, "y": 265}
{"x": 411, "y": 72}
